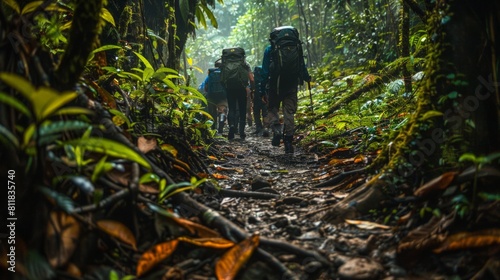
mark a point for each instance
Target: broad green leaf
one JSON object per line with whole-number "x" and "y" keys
{"x": 74, "y": 111}
{"x": 13, "y": 4}
{"x": 195, "y": 93}
{"x": 125, "y": 74}
{"x": 160, "y": 210}
{"x": 171, "y": 85}
{"x": 13, "y": 102}
{"x": 32, "y": 6}
{"x": 28, "y": 134}
{"x": 19, "y": 83}
{"x": 210, "y": 16}
{"x": 468, "y": 157}
{"x": 431, "y": 114}
{"x": 109, "y": 147}
{"x": 54, "y": 100}
{"x": 148, "y": 178}
{"x": 99, "y": 169}
{"x": 7, "y": 137}
{"x": 152, "y": 34}
{"x": 200, "y": 16}
{"x": 147, "y": 74}
{"x": 103, "y": 48}
{"x": 167, "y": 70}
{"x": 184, "y": 9}
{"x": 144, "y": 60}
{"x": 121, "y": 115}
{"x": 107, "y": 16}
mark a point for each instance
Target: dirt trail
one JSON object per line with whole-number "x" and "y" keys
{"x": 254, "y": 165}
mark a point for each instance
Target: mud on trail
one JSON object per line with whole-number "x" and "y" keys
{"x": 278, "y": 196}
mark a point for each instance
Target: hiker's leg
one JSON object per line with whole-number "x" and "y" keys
{"x": 231, "y": 118}
{"x": 249, "y": 107}
{"x": 289, "y": 109}
{"x": 257, "y": 109}
{"x": 274, "y": 119}
{"x": 242, "y": 106}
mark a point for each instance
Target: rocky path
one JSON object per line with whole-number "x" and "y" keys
{"x": 354, "y": 250}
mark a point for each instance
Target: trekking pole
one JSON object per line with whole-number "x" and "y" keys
{"x": 312, "y": 110}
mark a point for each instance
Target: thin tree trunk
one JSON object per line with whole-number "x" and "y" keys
{"x": 404, "y": 44}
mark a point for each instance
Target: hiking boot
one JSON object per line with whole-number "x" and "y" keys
{"x": 265, "y": 133}
{"x": 230, "y": 135}
{"x": 276, "y": 139}
{"x": 257, "y": 131}
{"x": 221, "y": 127}
{"x": 287, "y": 140}
{"x": 242, "y": 132}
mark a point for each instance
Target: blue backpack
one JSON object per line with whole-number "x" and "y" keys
{"x": 215, "y": 90}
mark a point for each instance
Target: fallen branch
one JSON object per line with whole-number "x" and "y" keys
{"x": 258, "y": 195}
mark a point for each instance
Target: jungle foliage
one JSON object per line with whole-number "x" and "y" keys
{"x": 104, "y": 130}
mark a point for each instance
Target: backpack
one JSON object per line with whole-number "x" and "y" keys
{"x": 215, "y": 91}
{"x": 234, "y": 71}
{"x": 287, "y": 59}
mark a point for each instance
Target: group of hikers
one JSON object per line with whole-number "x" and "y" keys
{"x": 231, "y": 87}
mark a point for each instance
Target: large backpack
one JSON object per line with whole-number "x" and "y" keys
{"x": 287, "y": 59}
{"x": 234, "y": 72}
{"x": 215, "y": 91}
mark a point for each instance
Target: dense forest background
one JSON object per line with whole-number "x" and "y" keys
{"x": 105, "y": 134}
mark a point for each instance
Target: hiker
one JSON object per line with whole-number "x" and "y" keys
{"x": 283, "y": 70}
{"x": 216, "y": 97}
{"x": 259, "y": 108}
{"x": 236, "y": 75}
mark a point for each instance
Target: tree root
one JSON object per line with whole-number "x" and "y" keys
{"x": 235, "y": 233}
{"x": 258, "y": 195}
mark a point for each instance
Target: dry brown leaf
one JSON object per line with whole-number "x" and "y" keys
{"x": 180, "y": 168}
{"x": 213, "y": 158}
{"x": 196, "y": 229}
{"x": 61, "y": 238}
{"x": 324, "y": 176}
{"x": 149, "y": 188}
{"x": 231, "y": 155}
{"x": 219, "y": 176}
{"x": 213, "y": 242}
{"x": 146, "y": 145}
{"x": 360, "y": 159}
{"x": 155, "y": 255}
{"x": 337, "y": 152}
{"x": 470, "y": 240}
{"x": 169, "y": 148}
{"x": 119, "y": 231}
{"x": 230, "y": 263}
{"x": 436, "y": 184}
{"x": 366, "y": 224}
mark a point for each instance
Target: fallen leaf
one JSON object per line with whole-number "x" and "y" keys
{"x": 212, "y": 242}
{"x": 196, "y": 229}
{"x": 169, "y": 148}
{"x": 366, "y": 224}
{"x": 470, "y": 240}
{"x": 213, "y": 158}
{"x": 231, "y": 262}
{"x": 360, "y": 159}
{"x": 146, "y": 145}
{"x": 119, "y": 231}
{"x": 61, "y": 238}
{"x": 155, "y": 255}
{"x": 219, "y": 176}
{"x": 436, "y": 184}
{"x": 231, "y": 155}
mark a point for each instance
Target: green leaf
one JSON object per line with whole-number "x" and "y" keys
{"x": 104, "y": 48}
{"x": 16, "y": 104}
{"x": 7, "y": 137}
{"x": 107, "y": 16}
{"x": 431, "y": 114}
{"x": 28, "y": 134}
{"x": 147, "y": 74}
{"x": 60, "y": 126}
{"x": 489, "y": 196}
{"x": 55, "y": 101}
{"x": 200, "y": 16}
{"x": 121, "y": 115}
{"x": 13, "y": 4}
{"x": 160, "y": 210}
{"x": 468, "y": 157}
{"x": 74, "y": 111}
{"x": 19, "y": 83}
{"x": 148, "y": 178}
{"x": 184, "y": 9}
{"x": 210, "y": 16}
{"x": 453, "y": 95}
{"x": 144, "y": 60}
{"x": 110, "y": 148}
